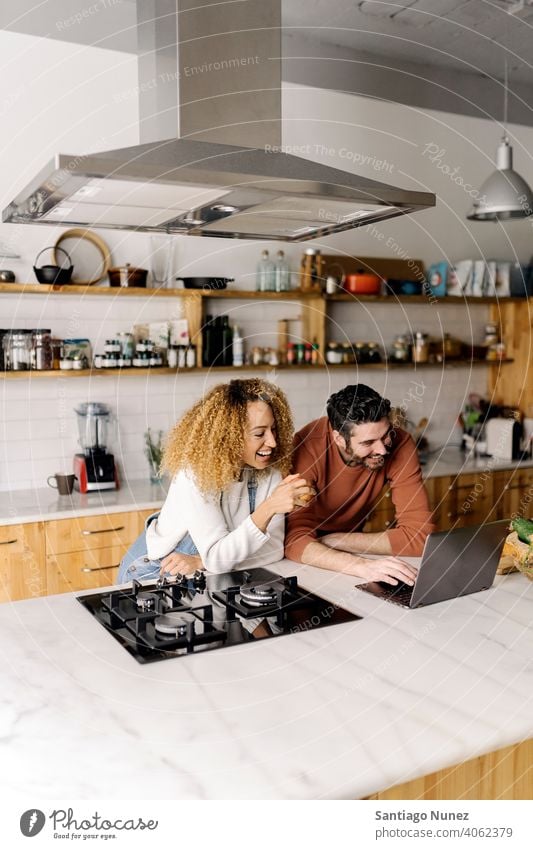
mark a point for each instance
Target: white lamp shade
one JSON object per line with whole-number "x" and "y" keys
{"x": 505, "y": 194}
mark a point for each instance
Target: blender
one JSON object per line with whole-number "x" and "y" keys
{"x": 95, "y": 468}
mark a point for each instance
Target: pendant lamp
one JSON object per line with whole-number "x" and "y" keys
{"x": 505, "y": 195}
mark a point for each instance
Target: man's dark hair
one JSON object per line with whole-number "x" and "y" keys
{"x": 356, "y": 404}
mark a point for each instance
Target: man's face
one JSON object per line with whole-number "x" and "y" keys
{"x": 368, "y": 445}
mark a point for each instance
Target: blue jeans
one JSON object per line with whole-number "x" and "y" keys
{"x": 136, "y": 563}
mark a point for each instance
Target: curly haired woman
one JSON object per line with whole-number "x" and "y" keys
{"x": 229, "y": 456}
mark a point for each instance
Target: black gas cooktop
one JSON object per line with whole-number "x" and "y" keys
{"x": 183, "y": 616}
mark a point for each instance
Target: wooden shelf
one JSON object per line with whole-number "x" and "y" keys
{"x": 131, "y": 292}
{"x": 155, "y": 371}
{"x": 243, "y": 294}
{"x": 423, "y": 299}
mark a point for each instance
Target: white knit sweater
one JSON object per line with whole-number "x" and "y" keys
{"x": 220, "y": 526}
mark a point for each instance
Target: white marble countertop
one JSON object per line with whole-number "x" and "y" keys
{"x": 336, "y": 713}
{"x": 38, "y": 505}
{"x": 44, "y": 504}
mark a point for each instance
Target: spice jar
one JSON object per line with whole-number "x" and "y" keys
{"x": 496, "y": 351}
{"x": 333, "y": 354}
{"x": 491, "y": 334}
{"x": 420, "y": 347}
{"x": 347, "y": 353}
{"x": 373, "y": 354}
{"x": 361, "y": 352}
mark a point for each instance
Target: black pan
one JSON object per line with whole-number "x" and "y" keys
{"x": 205, "y": 282}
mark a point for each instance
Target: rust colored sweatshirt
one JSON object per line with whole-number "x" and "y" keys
{"x": 346, "y": 494}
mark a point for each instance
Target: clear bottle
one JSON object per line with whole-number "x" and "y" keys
{"x": 265, "y": 280}
{"x": 237, "y": 346}
{"x": 282, "y": 273}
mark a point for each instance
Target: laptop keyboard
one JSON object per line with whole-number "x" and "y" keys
{"x": 399, "y": 594}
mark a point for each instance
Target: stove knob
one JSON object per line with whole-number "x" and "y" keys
{"x": 199, "y": 579}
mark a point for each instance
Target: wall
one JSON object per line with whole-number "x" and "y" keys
{"x": 71, "y": 99}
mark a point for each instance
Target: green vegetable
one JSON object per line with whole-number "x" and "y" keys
{"x": 524, "y": 529}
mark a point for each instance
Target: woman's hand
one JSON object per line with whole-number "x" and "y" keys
{"x": 293, "y": 491}
{"x": 184, "y": 564}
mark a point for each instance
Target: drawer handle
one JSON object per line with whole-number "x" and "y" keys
{"x": 103, "y": 531}
{"x": 98, "y": 568}
{"x": 8, "y": 542}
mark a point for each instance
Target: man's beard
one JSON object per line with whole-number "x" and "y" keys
{"x": 378, "y": 460}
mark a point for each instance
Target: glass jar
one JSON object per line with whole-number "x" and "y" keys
{"x": 347, "y": 353}
{"x": 42, "y": 355}
{"x": 401, "y": 349}
{"x": 17, "y": 350}
{"x": 492, "y": 337}
{"x": 420, "y": 347}
{"x": 361, "y": 352}
{"x": 126, "y": 344}
{"x": 256, "y": 356}
{"x": 373, "y": 353}
{"x": 333, "y": 354}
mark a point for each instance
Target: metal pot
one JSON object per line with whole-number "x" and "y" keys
{"x": 53, "y": 274}
{"x": 127, "y": 275}
{"x": 363, "y": 283}
{"x": 7, "y": 276}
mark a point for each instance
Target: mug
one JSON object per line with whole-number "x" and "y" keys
{"x": 63, "y": 483}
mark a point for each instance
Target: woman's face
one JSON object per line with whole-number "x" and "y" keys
{"x": 259, "y": 435}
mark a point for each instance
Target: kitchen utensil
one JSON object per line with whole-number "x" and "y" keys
{"x": 362, "y": 283}
{"x": 205, "y": 282}
{"x": 7, "y": 276}
{"x": 53, "y": 274}
{"x": 63, "y": 483}
{"x": 100, "y": 261}
{"x": 128, "y": 276}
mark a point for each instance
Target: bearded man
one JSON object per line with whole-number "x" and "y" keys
{"x": 349, "y": 457}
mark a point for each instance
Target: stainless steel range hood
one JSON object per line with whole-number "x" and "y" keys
{"x": 228, "y": 74}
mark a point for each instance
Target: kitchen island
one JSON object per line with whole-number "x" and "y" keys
{"x": 341, "y": 712}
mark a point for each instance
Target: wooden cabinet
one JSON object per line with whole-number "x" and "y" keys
{"x": 59, "y": 556}
{"x": 484, "y": 496}
{"x": 513, "y": 493}
{"x": 85, "y": 552}
{"x": 461, "y": 500}
{"x": 22, "y": 561}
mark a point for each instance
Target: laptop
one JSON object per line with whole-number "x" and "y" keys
{"x": 454, "y": 563}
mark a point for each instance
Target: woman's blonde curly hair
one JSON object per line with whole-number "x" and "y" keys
{"x": 208, "y": 440}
